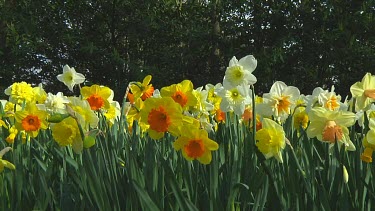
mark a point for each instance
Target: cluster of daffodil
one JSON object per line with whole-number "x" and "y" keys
{"x": 191, "y": 114}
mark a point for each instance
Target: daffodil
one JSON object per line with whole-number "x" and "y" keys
{"x": 181, "y": 93}
{"x": 66, "y": 132}
{"x": 40, "y": 94}
{"x": 81, "y": 110}
{"x": 235, "y": 99}
{"x": 280, "y": 101}
{"x": 5, "y": 163}
{"x": 134, "y": 115}
{"x": 56, "y": 103}
{"x": 329, "y": 99}
{"x": 142, "y": 90}
{"x": 113, "y": 112}
{"x": 202, "y": 106}
{"x": 162, "y": 115}
{"x": 20, "y": 92}
{"x": 369, "y": 143}
{"x": 271, "y": 139}
{"x": 331, "y": 126}
{"x": 300, "y": 118}
{"x": 240, "y": 72}
{"x": 98, "y": 96}
{"x": 12, "y": 134}
{"x": 364, "y": 92}
{"x": 31, "y": 120}
{"x": 70, "y": 77}
{"x": 195, "y": 144}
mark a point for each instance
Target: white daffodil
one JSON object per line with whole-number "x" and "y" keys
{"x": 364, "y": 92}
{"x": 235, "y": 99}
{"x": 280, "y": 101}
{"x": 56, "y": 103}
{"x": 240, "y": 72}
{"x": 330, "y": 100}
{"x": 70, "y": 77}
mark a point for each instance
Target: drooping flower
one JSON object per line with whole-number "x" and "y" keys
{"x": 20, "y": 92}
{"x": 331, "y": 126}
{"x": 163, "y": 115}
{"x": 195, "y": 144}
{"x": 31, "y": 120}
{"x": 300, "y": 118}
{"x": 364, "y": 92}
{"x": 12, "y": 134}
{"x": 142, "y": 90}
{"x": 181, "y": 93}
{"x": 271, "y": 139}
{"x": 235, "y": 99}
{"x": 98, "y": 96}
{"x": 240, "y": 72}
{"x": 113, "y": 112}
{"x": 66, "y": 132}
{"x": 70, "y": 77}
{"x": 5, "y": 163}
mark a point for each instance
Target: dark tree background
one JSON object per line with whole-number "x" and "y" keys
{"x": 303, "y": 43}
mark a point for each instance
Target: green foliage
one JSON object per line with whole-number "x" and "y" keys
{"x": 130, "y": 171}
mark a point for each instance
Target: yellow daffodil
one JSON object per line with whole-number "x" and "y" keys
{"x": 181, "y": 93}
{"x": 31, "y": 120}
{"x": 40, "y": 94}
{"x": 113, "y": 112}
{"x": 331, "y": 126}
{"x": 240, "y": 72}
{"x": 5, "y": 163}
{"x": 195, "y": 144}
{"x": 20, "y": 92}
{"x": 369, "y": 143}
{"x": 364, "y": 92}
{"x": 66, "y": 132}
{"x": 163, "y": 115}
{"x": 300, "y": 118}
{"x": 329, "y": 99}
{"x": 97, "y": 96}
{"x": 12, "y": 135}
{"x": 70, "y": 77}
{"x": 134, "y": 115}
{"x": 142, "y": 90}
{"x": 271, "y": 139}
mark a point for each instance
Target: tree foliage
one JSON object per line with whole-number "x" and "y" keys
{"x": 304, "y": 43}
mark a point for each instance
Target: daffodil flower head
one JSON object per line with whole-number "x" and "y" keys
{"x": 31, "y": 120}
{"x": 56, "y": 103}
{"x": 5, "y": 163}
{"x": 240, "y": 72}
{"x": 195, "y": 144}
{"x": 82, "y": 111}
{"x": 364, "y": 92}
{"x": 181, "y": 93}
{"x": 271, "y": 139}
{"x": 162, "y": 115}
{"x": 40, "y": 94}
{"x": 66, "y": 132}
{"x": 235, "y": 99}
{"x": 330, "y": 100}
{"x": 142, "y": 90}
{"x": 70, "y": 77}
{"x": 98, "y": 96}
{"x": 280, "y": 101}
{"x": 20, "y": 92}
{"x": 331, "y": 126}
